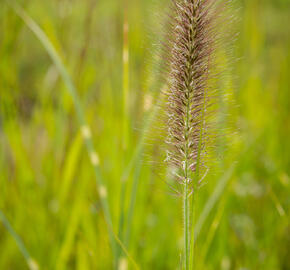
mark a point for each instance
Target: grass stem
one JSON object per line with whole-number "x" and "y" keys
{"x": 125, "y": 122}
{"x": 186, "y": 226}
{"x": 30, "y": 262}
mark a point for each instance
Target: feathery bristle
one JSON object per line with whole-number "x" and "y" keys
{"x": 189, "y": 96}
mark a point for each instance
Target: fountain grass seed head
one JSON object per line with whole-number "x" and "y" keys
{"x": 191, "y": 60}
{"x": 192, "y": 45}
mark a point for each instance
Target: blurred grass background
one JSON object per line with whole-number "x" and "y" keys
{"x": 48, "y": 190}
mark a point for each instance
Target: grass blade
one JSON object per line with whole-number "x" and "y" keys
{"x": 125, "y": 127}
{"x": 213, "y": 199}
{"x": 86, "y": 132}
{"x": 30, "y": 262}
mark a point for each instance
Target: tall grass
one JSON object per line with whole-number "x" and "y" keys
{"x": 193, "y": 42}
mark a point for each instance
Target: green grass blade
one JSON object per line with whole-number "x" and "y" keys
{"x": 42, "y": 37}
{"x": 124, "y": 249}
{"x": 30, "y": 262}
{"x": 211, "y": 234}
{"x": 70, "y": 168}
{"x": 132, "y": 203}
{"x": 125, "y": 127}
{"x": 139, "y": 147}
{"x": 214, "y": 198}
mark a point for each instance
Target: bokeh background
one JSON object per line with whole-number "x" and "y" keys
{"x": 48, "y": 187}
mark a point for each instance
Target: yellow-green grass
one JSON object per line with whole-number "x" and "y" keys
{"x": 47, "y": 182}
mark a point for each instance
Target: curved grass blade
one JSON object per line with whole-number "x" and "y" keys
{"x": 133, "y": 163}
{"x": 132, "y": 203}
{"x": 213, "y": 199}
{"x": 30, "y": 262}
{"x": 134, "y": 264}
{"x": 124, "y": 249}
{"x": 86, "y": 132}
{"x": 139, "y": 147}
{"x": 211, "y": 233}
{"x": 125, "y": 128}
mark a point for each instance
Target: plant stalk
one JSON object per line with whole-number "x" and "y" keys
{"x": 186, "y": 226}
{"x": 125, "y": 126}
{"x": 186, "y": 210}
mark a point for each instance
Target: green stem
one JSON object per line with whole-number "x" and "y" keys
{"x": 132, "y": 203}
{"x": 213, "y": 200}
{"x": 186, "y": 226}
{"x": 186, "y": 188}
{"x": 125, "y": 127}
{"x": 30, "y": 262}
{"x": 16, "y": 237}
{"x": 193, "y": 212}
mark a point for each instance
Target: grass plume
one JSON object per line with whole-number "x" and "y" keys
{"x": 190, "y": 95}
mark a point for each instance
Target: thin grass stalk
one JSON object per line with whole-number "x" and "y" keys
{"x": 124, "y": 249}
{"x": 32, "y": 264}
{"x": 140, "y": 145}
{"x": 211, "y": 233}
{"x": 186, "y": 226}
{"x": 186, "y": 213}
{"x": 135, "y": 162}
{"x": 213, "y": 199}
{"x": 219, "y": 190}
{"x": 195, "y": 187}
{"x": 125, "y": 127}
{"x": 132, "y": 203}
{"x": 125, "y": 63}
{"x": 86, "y": 131}
{"x": 87, "y": 40}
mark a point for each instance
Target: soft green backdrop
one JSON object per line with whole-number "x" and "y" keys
{"x": 48, "y": 189}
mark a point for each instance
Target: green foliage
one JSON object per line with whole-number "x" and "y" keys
{"x": 49, "y": 199}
